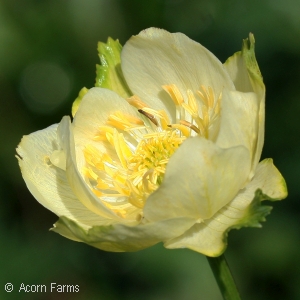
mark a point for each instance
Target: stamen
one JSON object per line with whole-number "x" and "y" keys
{"x": 164, "y": 121}
{"x": 136, "y": 102}
{"x": 149, "y": 116}
{"x": 192, "y": 102}
{"x": 190, "y": 125}
{"x": 133, "y": 165}
{"x": 123, "y": 121}
{"x": 180, "y": 127}
{"x": 174, "y": 93}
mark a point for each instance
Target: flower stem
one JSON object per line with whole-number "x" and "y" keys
{"x": 224, "y": 278}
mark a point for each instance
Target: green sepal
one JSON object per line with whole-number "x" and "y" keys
{"x": 255, "y": 213}
{"x": 248, "y": 53}
{"x": 253, "y": 216}
{"x": 71, "y": 230}
{"x": 65, "y": 227}
{"x": 77, "y": 101}
{"x": 119, "y": 237}
{"x": 244, "y": 70}
{"x": 109, "y": 73}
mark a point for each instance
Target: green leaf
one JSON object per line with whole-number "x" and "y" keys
{"x": 109, "y": 73}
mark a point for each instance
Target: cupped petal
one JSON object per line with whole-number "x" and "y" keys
{"x": 121, "y": 237}
{"x": 95, "y": 107}
{"x": 239, "y": 122}
{"x": 156, "y": 57}
{"x": 236, "y": 67}
{"x": 75, "y": 179}
{"x": 48, "y": 183}
{"x": 200, "y": 179}
{"x": 245, "y": 210}
{"x": 94, "y": 110}
{"x": 244, "y": 71}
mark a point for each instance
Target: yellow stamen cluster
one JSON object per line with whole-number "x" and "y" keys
{"x": 139, "y": 148}
{"x": 200, "y": 119}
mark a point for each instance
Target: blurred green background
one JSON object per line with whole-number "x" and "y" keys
{"x": 48, "y": 53}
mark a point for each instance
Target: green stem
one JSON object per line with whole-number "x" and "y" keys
{"x": 224, "y": 278}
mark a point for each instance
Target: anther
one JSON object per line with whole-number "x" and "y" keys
{"x": 149, "y": 116}
{"x": 190, "y": 125}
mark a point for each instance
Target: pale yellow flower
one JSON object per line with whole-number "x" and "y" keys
{"x": 170, "y": 154}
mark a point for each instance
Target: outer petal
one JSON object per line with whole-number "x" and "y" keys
{"x": 119, "y": 238}
{"x": 77, "y": 183}
{"x": 239, "y": 122}
{"x": 237, "y": 70}
{"x": 205, "y": 178}
{"x": 244, "y": 71}
{"x": 48, "y": 183}
{"x": 210, "y": 237}
{"x": 156, "y": 57}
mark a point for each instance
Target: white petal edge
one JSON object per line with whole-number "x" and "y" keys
{"x": 200, "y": 179}
{"x": 47, "y": 183}
{"x": 209, "y": 237}
{"x": 156, "y": 57}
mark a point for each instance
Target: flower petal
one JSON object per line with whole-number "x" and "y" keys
{"x": 239, "y": 122}
{"x": 156, "y": 57}
{"x": 120, "y": 237}
{"x": 210, "y": 237}
{"x": 96, "y": 106}
{"x": 76, "y": 181}
{"x": 244, "y": 71}
{"x": 48, "y": 183}
{"x": 205, "y": 178}
{"x": 237, "y": 70}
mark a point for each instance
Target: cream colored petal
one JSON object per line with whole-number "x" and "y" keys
{"x": 239, "y": 122}
{"x": 77, "y": 183}
{"x": 210, "y": 237}
{"x": 95, "y": 107}
{"x": 200, "y": 179}
{"x": 156, "y": 57}
{"x": 244, "y": 71}
{"x": 120, "y": 237}
{"x": 48, "y": 183}
{"x": 237, "y": 70}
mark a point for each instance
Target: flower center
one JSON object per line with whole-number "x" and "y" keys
{"x": 147, "y": 165}
{"x": 128, "y": 175}
{"x": 138, "y": 149}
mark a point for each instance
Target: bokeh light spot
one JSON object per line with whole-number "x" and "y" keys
{"x": 45, "y": 86}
